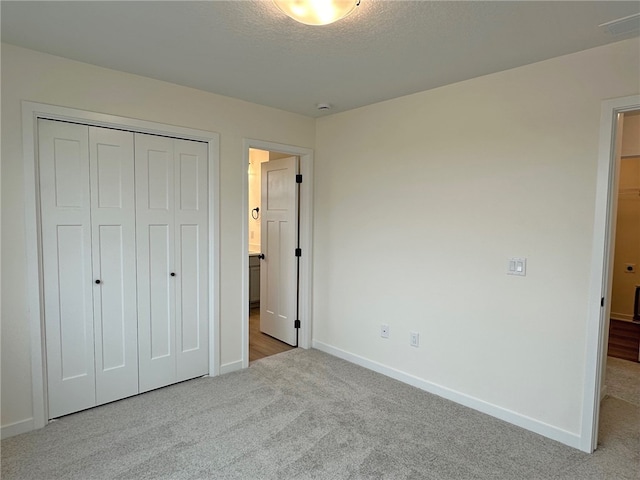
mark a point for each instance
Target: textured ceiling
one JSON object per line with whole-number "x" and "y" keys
{"x": 251, "y": 51}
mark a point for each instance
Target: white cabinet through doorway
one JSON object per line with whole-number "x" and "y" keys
{"x": 120, "y": 213}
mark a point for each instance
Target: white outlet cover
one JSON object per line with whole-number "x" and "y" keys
{"x": 414, "y": 339}
{"x": 384, "y": 331}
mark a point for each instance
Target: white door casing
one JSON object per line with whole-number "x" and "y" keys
{"x": 278, "y": 278}
{"x": 111, "y": 166}
{"x": 66, "y": 264}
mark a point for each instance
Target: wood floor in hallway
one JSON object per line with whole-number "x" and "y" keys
{"x": 260, "y": 344}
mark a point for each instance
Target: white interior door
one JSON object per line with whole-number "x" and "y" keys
{"x": 66, "y": 260}
{"x": 191, "y": 259}
{"x": 155, "y": 202}
{"x": 278, "y": 279}
{"x": 114, "y": 259}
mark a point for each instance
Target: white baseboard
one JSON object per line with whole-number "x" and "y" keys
{"x": 603, "y": 392}
{"x": 230, "y": 367}
{"x": 16, "y": 428}
{"x": 621, "y": 316}
{"x": 528, "y": 423}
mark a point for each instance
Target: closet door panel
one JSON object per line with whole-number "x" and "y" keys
{"x": 155, "y": 199}
{"x": 160, "y": 291}
{"x": 113, "y": 232}
{"x": 188, "y": 282}
{"x": 191, "y": 217}
{"x": 75, "y": 345}
{"x": 66, "y": 261}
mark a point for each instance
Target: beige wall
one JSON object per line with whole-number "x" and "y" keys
{"x": 29, "y": 75}
{"x": 278, "y": 155}
{"x": 421, "y": 200}
{"x": 627, "y": 245}
{"x": 256, "y": 158}
{"x": 631, "y": 134}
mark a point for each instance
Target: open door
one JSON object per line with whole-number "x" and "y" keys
{"x": 278, "y": 271}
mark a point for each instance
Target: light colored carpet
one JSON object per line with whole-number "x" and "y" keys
{"x": 304, "y": 414}
{"x": 623, "y": 380}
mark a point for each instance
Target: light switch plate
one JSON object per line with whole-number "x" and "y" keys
{"x": 517, "y": 266}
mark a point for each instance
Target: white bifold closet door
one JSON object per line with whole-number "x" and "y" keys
{"x": 172, "y": 259}
{"x": 124, "y": 220}
{"x": 113, "y": 231}
{"x": 88, "y": 258}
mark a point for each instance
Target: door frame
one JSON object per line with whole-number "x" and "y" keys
{"x": 306, "y": 240}
{"x": 601, "y": 264}
{"x": 31, "y": 112}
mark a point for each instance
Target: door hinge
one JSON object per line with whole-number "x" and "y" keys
{"x": 298, "y": 252}
{"x": 298, "y": 178}
{"x": 602, "y": 302}
{"x": 296, "y": 324}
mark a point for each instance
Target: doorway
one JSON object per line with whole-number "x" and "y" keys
{"x": 275, "y": 272}
{"x": 624, "y": 326}
{"x": 599, "y": 304}
{"x": 273, "y": 226}
{"x": 622, "y": 370}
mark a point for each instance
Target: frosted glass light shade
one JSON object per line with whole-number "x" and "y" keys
{"x": 317, "y": 12}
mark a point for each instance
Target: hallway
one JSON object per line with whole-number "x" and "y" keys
{"x": 260, "y": 344}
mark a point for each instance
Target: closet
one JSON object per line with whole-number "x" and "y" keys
{"x": 124, "y": 240}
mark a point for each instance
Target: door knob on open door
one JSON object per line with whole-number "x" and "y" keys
{"x": 261, "y": 256}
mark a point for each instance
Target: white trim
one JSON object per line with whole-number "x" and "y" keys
{"x": 214, "y": 255}
{"x": 32, "y": 242}
{"x": 496, "y": 411}
{"x": 603, "y": 392}
{"x": 231, "y": 367}
{"x": 16, "y": 428}
{"x": 599, "y": 285}
{"x": 306, "y": 240}
{"x": 31, "y": 112}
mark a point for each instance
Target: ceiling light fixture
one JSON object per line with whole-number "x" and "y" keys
{"x": 317, "y": 12}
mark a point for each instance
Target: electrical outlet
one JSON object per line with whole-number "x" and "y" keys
{"x": 384, "y": 331}
{"x": 414, "y": 339}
